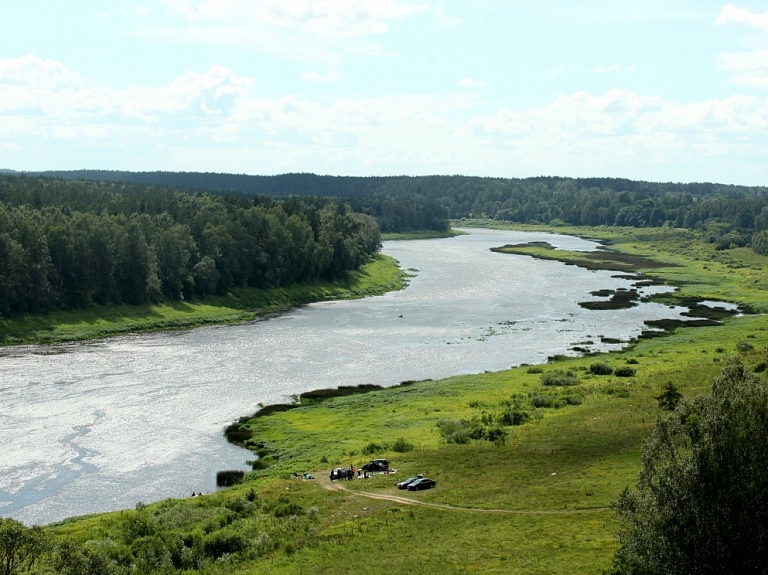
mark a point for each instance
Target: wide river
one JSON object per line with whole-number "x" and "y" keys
{"x": 91, "y": 427}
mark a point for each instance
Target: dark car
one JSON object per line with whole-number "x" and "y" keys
{"x": 407, "y": 482}
{"x": 376, "y": 465}
{"x": 423, "y": 483}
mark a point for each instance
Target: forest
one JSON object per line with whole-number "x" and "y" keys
{"x": 69, "y": 239}
{"x": 68, "y": 244}
{"x": 729, "y": 213}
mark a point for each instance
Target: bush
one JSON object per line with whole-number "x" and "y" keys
{"x": 574, "y": 400}
{"x": 535, "y": 369}
{"x": 743, "y": 346}
{"x": 497, "y": 435}
{"x": 373, "y": 448}
{"x": 402, "y": 445}
{"x": 514, "y": 417}
{"x": 221, "y": 542}
{"x": 559, "y": 378}
{"x": 460, "y": 437}
{"x": 229, "y": 477}
{"x": 287, "y": 509}
{"x": 600, "y": 368}
{"x": 625, "y": 372}
{"x": 551, "y": 401}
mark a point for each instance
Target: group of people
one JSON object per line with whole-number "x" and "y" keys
{"x": 348, "y": 473}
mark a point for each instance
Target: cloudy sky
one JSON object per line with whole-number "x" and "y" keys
{"x": 662, "y": 90}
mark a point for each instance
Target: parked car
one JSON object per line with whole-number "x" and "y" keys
{"x": 376, "y": 465}
{"x": 407, "y": 482}
{"x": 423, "y": 483}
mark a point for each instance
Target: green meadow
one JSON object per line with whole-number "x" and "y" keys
{"x": 527, "y": 461}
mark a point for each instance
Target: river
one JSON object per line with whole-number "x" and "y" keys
{"x": 91, "y": 427}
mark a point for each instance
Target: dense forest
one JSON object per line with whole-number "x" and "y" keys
{"x": 67, "y": 244}
{"x": 71, "y": 238}
{"x": 730, "y": 213}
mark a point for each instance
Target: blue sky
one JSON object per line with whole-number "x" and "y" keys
{"x": 673, "y": 90}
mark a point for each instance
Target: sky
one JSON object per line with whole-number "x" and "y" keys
{"x": 659, "y": 90}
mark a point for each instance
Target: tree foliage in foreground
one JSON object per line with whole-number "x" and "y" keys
{"x": 701, "y": 504}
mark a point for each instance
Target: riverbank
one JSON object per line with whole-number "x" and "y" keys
{"x": 421, "y": 235}
{"x": 378, "y": 276}
{"x": 544, "y": 481}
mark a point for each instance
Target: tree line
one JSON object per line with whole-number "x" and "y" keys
{"x": 573, "y": 201}
{"x": 68, "y": 244}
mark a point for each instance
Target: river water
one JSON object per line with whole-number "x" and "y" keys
{"x": 91, "y": 427}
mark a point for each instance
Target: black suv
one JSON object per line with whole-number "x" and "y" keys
{"x": 376, "y": 465}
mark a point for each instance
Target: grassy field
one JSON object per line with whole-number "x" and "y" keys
{"x": 380, "y": 275}
{"x": 535, "y": 502}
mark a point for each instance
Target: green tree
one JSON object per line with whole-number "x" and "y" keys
{"x": 20, "y": 546}
{"x": 701, "y": 504}
{"x": 670, "y": 398}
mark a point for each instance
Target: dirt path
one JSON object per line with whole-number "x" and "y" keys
{"x": 326, "y": 483}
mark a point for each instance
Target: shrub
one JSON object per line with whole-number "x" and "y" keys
{"x": 600, "y": 368}
{"x": 460, "y": 431}
{"x": 497, "y": 435}
{"x": 460, "y": 437}
{"x": 743, "y": 346}
{"x": 574, "y": 400}
{"x": 229, "y": 477}
{"x": 402, "y": 445}
{"x": 535, "y": 369}
{"x": 548, "y": 401}
{"x": 761, "y": 367}
{"x": 514, "y": 417}
{"x": 625, "y": 372}
{"x": 632, "y": 361}
{"x": 559, "y": 378}
{"x": 287, "y": 509}
{"x": 222, "y": 542}
{"x": 373, "y": 448}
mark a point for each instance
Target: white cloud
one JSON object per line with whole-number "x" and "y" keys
{"x": 323, "y": 18}
{"x": 730, "y": 14}
{"x": 217, "y": 120}
{"x": 470, "y": 83}
{"x": 32, "y": 86}
{"x": 35, "y": 72}
{"x": 317, "y": 78}
{"x": 443, "y": 18}
{"x": 315, "y": 30}
{"x": 750, "y": 68}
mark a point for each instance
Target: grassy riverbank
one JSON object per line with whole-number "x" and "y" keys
{"x": 380, "y": 275}
{"x": 532, "y": 501}
{"x": 420, "y": 235}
